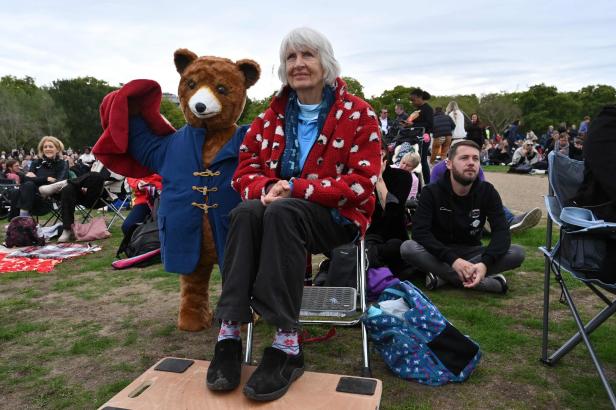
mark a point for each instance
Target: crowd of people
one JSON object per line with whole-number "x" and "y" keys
{"x": 53, "y": 175}
{"x": 336, "y": 180}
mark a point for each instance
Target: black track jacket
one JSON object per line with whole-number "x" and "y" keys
{"x": 444, "y": 218}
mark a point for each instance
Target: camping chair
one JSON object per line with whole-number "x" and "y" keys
{"x": 7, "y": 186}
{"x": 335, "y": 306}
{"x": 576, "y": 225}
{"x": 115, "y": 197}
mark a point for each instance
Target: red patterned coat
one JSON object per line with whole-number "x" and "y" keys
{"x": 341, "y": 169}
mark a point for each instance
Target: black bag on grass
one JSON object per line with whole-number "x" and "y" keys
{"x": 342, "y": 267}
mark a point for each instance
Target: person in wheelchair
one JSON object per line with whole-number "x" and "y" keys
{"x": 448, "y": 225}
{"x": 50, "y": 168}
{"x": 307, "y": 170}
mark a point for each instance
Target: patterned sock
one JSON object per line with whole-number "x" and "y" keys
{"x": 287, "y": 341}
{"x": 23, "y": 212}
{"x": 229, "y": 330}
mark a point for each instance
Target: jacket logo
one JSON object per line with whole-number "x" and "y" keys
{"x": 475, "y": 213}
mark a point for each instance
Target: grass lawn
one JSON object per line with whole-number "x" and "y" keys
{"x": 74, "y": 337}
{"x": 495, "y": 168}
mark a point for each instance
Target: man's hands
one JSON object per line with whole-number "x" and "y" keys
{"x": 280, "y": 189}
{"x": 469, "y": 273}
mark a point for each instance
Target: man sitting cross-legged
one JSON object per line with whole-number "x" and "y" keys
{"x": 447, "y": 229}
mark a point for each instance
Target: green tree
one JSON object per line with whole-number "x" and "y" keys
{"x": 543, "y": 105}
{"x": 389, "y": 98}
{"x": 27, "y": 113}
{"x": 354, "y": 87}
{"x": 593, "y": 97}
{"x": 172, "y": 113}
{"x": 497, "y": 110}
{"x": 80, "y": 99}
{"x": 253, "y": 108}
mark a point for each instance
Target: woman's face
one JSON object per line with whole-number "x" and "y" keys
{"x": 474, "y": 118}
{"x": 416, "y": 100}
{"x": 304, "y": 70}
{"x": 49, "y": 149}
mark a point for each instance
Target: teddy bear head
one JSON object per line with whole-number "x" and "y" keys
{"x": 212, "y": 90}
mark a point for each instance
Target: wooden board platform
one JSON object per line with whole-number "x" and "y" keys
{"x": 166, "y": 390}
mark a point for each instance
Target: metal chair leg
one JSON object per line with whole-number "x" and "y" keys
{"x": 248, "y": 352}
{"x": 366, "y": 372}
{"x": 546, "y": 293}
{"x": 591, "y": 350}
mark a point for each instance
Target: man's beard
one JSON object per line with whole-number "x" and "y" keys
{"x": 461, "y": 178}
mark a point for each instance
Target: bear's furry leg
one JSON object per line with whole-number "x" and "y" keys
{"x": 195, "y": 313}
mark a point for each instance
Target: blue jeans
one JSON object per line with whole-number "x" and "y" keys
{"x": 508, "y": 215}
{"x": 136, "y": 215}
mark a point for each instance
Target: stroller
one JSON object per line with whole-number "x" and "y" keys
{"x": 406, "y": 140}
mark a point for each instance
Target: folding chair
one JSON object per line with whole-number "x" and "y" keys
{"x": 335, "y": 306}
{"x": 113, "y": 191}
{"x": 6, "y": 188}
{"x": 565, "y": 177}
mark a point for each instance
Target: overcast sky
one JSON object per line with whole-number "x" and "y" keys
{"x": 446, "y": 47}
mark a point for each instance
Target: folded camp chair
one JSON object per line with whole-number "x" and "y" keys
{"x": 333, "y": 305}
{"x": 581, "y": 230}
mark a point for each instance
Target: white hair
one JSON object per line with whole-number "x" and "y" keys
{"x": 452, "y": 106}
{"x": 307, "y": 38}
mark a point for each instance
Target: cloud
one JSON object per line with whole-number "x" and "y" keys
{"x": 446, "y": 47}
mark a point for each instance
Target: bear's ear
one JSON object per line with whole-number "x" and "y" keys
{"x": 182, "y": 59}
{"x": 251, "y": 71}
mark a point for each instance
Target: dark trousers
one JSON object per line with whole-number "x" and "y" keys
{"x": 28, "y": 199}
{"x": 137, "y": 214}
{"x": 425, "y": 168}
{"x": 417, "y": 255}
{"x": 265, "y": 258}
{"x": 84, "y": 190}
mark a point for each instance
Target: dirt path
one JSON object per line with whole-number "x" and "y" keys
{"x": 520, "y": 192}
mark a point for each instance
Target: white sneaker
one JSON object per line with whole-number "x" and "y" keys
{"x": 525, "y": 221}
{"x": 67, "y": 236}
{"x": 52, "y": 189}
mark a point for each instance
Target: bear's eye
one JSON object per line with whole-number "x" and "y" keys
{"x": 191, "y": 84}
{"x": 221, "y": 89}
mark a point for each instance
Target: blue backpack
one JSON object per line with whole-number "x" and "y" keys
{"x": 417, "y": 342}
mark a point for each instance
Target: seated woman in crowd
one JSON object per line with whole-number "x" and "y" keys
{"x": 13, "y": 171}
{"x": 410, "y": 163}
{"x": 500, "y": 154}
{"x": 47, "y": 170}
{"x": 525, "y": 155}
{"x": 48, "y": 177}
{"x": 140, "y": 194}
{"x": 307, "y": 172}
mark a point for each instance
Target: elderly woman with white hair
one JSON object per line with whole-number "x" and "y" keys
{"x": 307, "y": 171}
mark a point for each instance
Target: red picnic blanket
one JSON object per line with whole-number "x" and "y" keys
{"x": 26, "y": 264}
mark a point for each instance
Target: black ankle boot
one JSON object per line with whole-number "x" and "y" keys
{"x": 274, "y": 375}
{"x": 226, "y": 367}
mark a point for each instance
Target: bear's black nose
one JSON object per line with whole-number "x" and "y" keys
{"x": 200, "y": 107}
